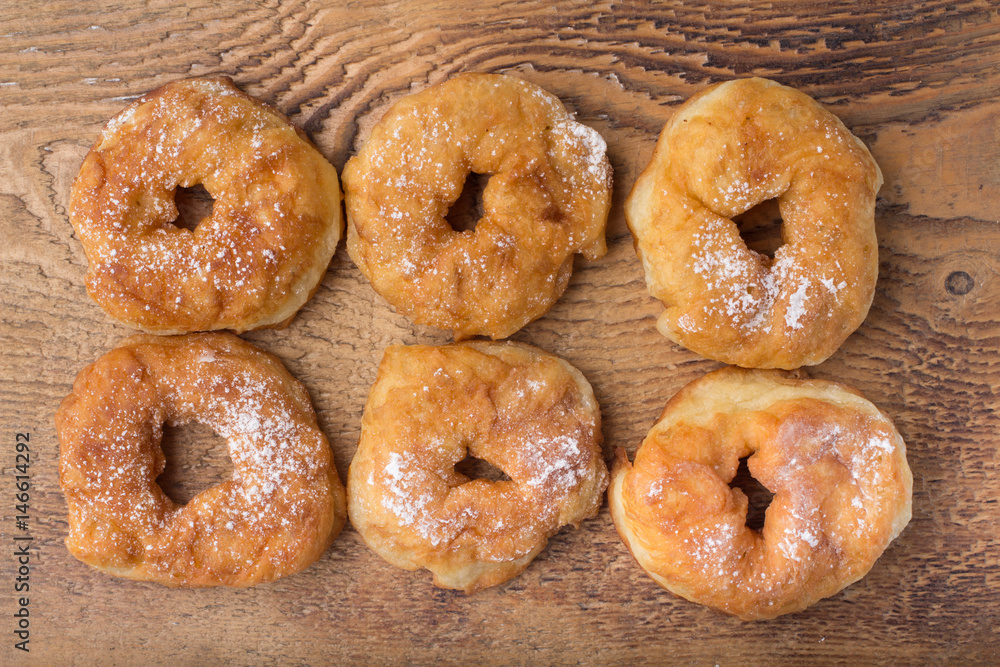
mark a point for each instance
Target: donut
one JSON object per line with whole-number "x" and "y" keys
{"x": 835, "y": 464}
{"x": 547, "y": 197}
{"x": 254, "y": 262}
{"x": 280, "y": 511}
{"x": 530, "y": 414}
{"x": 727, "y": 149}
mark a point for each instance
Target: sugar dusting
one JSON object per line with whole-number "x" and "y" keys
{"x": 559, "y": 463}
{"x": 548, "y": 456}
{"x": 228, "y": 264}
{"x": 409, "y": 496}
{"x": 775, "y": 146}
{"x": 270, "y": 445}
{"x": 804, "y": 529}
{"x": 553, "y": 467}
{"x": 744, "y": 292}
{"x": 591, "y": 148}
{"x": 796, "y": 305}
{"x": 509, "y": 267}
{"x": 279, "y": 468}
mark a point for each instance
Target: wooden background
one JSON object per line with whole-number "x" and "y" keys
{"x": 918, "y": 81}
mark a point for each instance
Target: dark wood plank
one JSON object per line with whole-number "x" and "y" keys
{"x": 918, "y": 81}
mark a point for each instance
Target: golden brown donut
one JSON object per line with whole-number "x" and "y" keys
{"x": 835, "y": 464}
{"x": 547, "y": 198}
{"x": 280, "y": 511}
{"x": 726, "y": 150}
{"x": 530, "y": 414}
{"x": 275, "y": 222}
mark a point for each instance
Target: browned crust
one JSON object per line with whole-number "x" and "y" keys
{"x": 260, "y": 256}
{"x": 279, "y": 513}
{"x": 835, "y": 463}
{"x": 548, "y": 197}
{"x": 723, "y": 300}
{"x": 528, "y": 413}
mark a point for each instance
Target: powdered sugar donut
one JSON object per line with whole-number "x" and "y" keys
{"x": 254, "y": 262}
{"x": 726, "y": 150}
{"x": 280, "y": 511}
{"x": 835, "y": 464}
{"x": 547, "y": 197}
{"x": 528, "y": 413}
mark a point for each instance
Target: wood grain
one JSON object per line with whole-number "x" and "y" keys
{"x": 918, "y": 81}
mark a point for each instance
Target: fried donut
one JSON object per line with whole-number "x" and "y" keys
{"x": 280, "y": 511}
{"x": 274, "y": 226}
{"x": 837, "y": 468}
{"x": 726, "y": 150}
{"x": 530, "y": 414}
{"x": 547, "y": 198}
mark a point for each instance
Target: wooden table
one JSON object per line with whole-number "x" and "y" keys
{"x": 919, "y": 82}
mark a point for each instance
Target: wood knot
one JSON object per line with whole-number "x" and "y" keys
{"x": 959, "y": 282}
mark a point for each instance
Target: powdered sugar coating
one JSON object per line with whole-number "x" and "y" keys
{"x": 547, "y": 197}
{"x": 727, "y": 150}
{"x": 274, "y": 224}
{"x": 282, "y": 507}
{"x": 835, "y": 464}
{"x": 529, "y": 414}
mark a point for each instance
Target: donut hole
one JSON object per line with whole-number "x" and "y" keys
{"x": 196, "y": 459}
{"x": 476, "y": 468}
{"x": 758, "y": 497}
{"x": 194, "y": 205}
{"x": 760, "y": 227}
{"x": 465, "y": 212}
